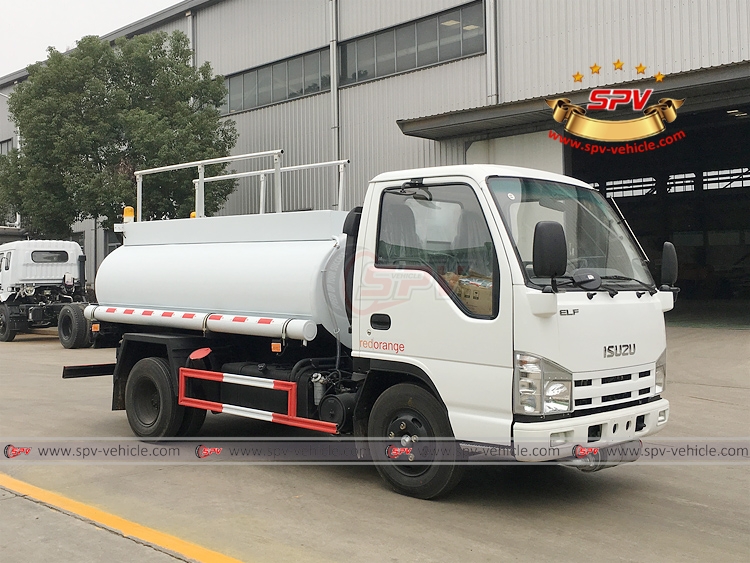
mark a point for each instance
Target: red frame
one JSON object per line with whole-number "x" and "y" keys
{"x": 289, "y": 419}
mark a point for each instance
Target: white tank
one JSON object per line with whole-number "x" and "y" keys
{"x": 280, "y": 266}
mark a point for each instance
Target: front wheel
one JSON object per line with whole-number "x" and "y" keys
{"x": 7, "y": 334}
{"x": 418, "y": 454}
{"x": 150, "y": 400}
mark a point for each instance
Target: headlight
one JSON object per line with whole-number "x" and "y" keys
{"x": 660, "y": 375}
{"x": 29, "y": 290}
{"x": 542, "y": 387}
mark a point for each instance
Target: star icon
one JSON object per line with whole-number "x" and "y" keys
{"x": 640, "y": 68}
{"x": 659, "y": 77}
{"x": 595, "y": 69}
{"x": 578, "y": 77}
{"x": 618, "y": 64}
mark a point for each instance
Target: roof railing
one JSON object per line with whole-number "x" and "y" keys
{"x": 200, "y": 182}
{"x": 341, "y": 164}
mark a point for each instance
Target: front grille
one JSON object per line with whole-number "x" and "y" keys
{"x": 615, "y": 397}
{"x": 615, "y": 379}
{"x": 610, "y": 389}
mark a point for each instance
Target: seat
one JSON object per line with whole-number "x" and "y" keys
{"x": 399, "y": 242}
{"x": 472, "y": 246}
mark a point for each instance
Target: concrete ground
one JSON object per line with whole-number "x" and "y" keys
{"x": 337, "y": 513}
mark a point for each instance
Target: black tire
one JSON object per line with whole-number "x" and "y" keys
{"x": 7, "y": 334}
{"x": 73, "y": 328}
{"x": 407, "y": 410}
{"x": 151, "y": 401}
{"x": 192, "y": 422}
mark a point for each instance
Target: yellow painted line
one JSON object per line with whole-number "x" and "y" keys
{"x": 125, "y": 527}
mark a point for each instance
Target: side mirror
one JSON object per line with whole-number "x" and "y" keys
{"x": 550, "y": 250}
{"x": 668, "y": 265}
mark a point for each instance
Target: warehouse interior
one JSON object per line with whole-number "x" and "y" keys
{"x": 694, "y": 192}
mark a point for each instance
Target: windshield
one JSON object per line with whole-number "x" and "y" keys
{"x": 594, "y": 234}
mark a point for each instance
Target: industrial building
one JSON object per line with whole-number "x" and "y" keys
{"x": 392, "y": 84}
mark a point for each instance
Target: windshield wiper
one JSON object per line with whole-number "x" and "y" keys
{"x": 650, "y": 288}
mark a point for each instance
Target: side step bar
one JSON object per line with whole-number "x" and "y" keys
{"x": 289, "y": 419}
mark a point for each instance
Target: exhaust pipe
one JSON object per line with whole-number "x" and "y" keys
{"x": 82, "y": 271}
{"x": 590, "y": 459}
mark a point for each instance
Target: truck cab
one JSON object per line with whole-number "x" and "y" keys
{"x": 450, "y": 286}
{"x": 42, "y": 284}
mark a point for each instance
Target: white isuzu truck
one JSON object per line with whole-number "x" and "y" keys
{"x": 43, "y": 284}
{"x": 486, "y": 306}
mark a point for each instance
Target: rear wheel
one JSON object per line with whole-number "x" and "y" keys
{"x": 6, "y": 333}
{"x": 73, "y": 328}
{"x": 150, "y": 400}
{"x": 410, "y": 459}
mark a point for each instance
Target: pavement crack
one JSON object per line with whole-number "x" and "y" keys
{"x": 112, "y": 531}
{"x": 712, "y": 400}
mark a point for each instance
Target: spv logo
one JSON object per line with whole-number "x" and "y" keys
{"x": 608, "y": 98}
{"x": 651, "y": 121}
{"x": 202, "y": 451}
{"x": 12, "y": 451}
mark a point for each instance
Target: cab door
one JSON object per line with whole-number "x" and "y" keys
{"x": 432, "y": 291}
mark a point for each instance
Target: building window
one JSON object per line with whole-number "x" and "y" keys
{"x": 6, "y": 146}
{"x": 111, "y": 242}
{"x": 630, "y": 188}
{"x": 443, "y": 37}
{"x": 278, "y": 82}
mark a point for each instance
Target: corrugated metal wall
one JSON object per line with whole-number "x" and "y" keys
{"x": 302, "y": 129}
{"x": 235, "y": 35}
{"x": 370, "y": 137}
{"x": 358, "y": 18}
{"x": 180, "y": 24}
{"x": 543, "y": 43}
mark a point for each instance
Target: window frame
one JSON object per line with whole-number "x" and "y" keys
{"x": 431, "y": 271}
{"x": 354, "y": 41}
{"x": 6, "y": 146}
{"x": 225, "y": 109}
{"x": 50, "y": 253}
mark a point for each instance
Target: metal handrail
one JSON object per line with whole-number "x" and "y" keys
{"x": 199, "y": 183}
{"x": 262, "y": 173}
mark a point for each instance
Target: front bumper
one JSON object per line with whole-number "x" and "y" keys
{"x": 555, "y": 439}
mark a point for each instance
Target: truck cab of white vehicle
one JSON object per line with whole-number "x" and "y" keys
{"x": 42, "y": 284}
{"x": 462, "y": 310}
{"x": 521, "y": 298}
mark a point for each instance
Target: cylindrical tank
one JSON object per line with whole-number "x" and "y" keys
{"x": 275, "y": 265}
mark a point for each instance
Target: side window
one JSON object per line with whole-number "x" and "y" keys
{"x": 442, "y": 230}
{"x": 7, "y": 260}
{"x": 49, "y": 256}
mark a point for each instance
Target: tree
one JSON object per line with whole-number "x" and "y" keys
{"x": 92, "y": 117}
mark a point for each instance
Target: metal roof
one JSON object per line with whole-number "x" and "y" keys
{"x": 141, "y": 26}
{"x": 703, "y": 89}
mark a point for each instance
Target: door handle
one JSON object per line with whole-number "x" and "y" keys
{"x": 380, "y": 321}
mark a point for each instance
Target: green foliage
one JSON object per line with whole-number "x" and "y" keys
{"x": 89, "y": 119}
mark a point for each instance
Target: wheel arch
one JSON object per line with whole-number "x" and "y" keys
{"x": 382, "y": 374}
{"x": 134, "y": 347}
